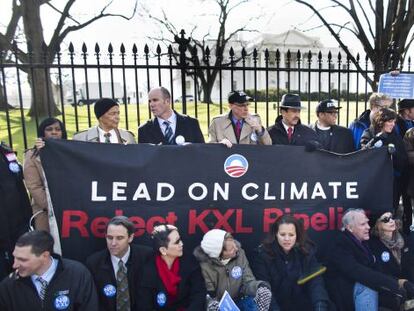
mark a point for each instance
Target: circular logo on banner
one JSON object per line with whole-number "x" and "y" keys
{"x": 161, "y": 299}
{"x": 62, "y": 302}
{"x": 109, "y": 290}
{"x": 236, "y": 165}
{"x": 236, "y": 272}
{"x": 385, "y": 256}
{"x": 14, "y": 167}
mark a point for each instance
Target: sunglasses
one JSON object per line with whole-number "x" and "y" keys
{"x": 387, "y": 219}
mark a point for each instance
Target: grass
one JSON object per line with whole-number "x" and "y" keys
{"x": 19, "y": 125}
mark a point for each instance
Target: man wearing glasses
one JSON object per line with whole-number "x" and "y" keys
{"x": 331, "y": 136}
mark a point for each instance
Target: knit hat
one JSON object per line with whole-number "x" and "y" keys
{"x": 103, "y": 105}
{"x": 212, "y": 242}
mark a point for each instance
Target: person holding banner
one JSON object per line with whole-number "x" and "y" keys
{"x": 394, "y": 254}
{"x": 107, "y": 131}
{"x": 171, "y": 280}
{"x": 381, "y": 132}
{"x": 225, "y": 268}
{"x": 238, "y": 126}
{"x": 286, "y": 260}
{"x": 118, "y": 269}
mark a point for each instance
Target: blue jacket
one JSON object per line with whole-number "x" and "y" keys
{"x": 358, "y": 126}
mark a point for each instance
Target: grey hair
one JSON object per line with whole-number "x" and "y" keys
{"x": 349, "y": 217}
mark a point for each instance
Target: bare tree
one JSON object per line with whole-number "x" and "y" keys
{"x": 200, "y": 51}
{"x": 383, "y": 33}
{"x": 28, "y": 11}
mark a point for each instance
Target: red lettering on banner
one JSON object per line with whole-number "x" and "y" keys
{"x": 319, "y": 222}
{"x": 305, "y": 219}
{"x": 98, "y": 226}
{"x": 239, "y": 223}
{"x": 79, "y": 222}
{"x": 222, "y": 220}
{"x": 195, "y": 221}
{"x": 269, "y": 217}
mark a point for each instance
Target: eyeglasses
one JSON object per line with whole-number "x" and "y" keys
{"x": 387, "y": 219}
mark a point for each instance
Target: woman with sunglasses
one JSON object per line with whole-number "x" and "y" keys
{"x": 170, "y": 280}
{"x": 394, "y": 256}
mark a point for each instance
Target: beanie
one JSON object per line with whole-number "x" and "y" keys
{"x": 103, "y": 105}
{"x": 212, "y": 242}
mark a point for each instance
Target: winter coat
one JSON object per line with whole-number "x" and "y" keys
{"x": 301, "y": 134}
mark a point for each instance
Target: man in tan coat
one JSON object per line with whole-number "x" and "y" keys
{"x": 107, "y": 131}
{"x": 238, "y": 126}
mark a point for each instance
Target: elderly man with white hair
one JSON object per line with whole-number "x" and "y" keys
{"x": 353, "y": 281}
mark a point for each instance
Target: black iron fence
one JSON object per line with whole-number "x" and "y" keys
{"x": 199, "y": 81}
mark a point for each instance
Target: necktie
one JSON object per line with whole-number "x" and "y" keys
{"x": 290, "y": 133}
{"x": 43, "y": 287}
{"x": 107, "y": 138}
{"x": 122, "y": 293}
{"x": 238, "y": 129}
{"x": 168, "y": 134}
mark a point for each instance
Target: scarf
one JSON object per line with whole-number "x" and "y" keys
{"x": 395, "y": 244}
{"x": 170, "y": 278}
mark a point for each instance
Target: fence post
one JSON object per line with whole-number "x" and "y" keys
{"x": 182, "y": 47}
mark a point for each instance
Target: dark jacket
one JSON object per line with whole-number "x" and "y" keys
{"x": 187, "y": 127}
{"x": 341, "y": 140}
{"x": 282, "y": 272}
{"x": 191, "y": 290}
{"x": 358, "y": 126}
{"x": 301, "y": 134}
{"x": 71, "y": 288}
{"x": 103, "y": 274}
{"x": 348, "y": 263}
{"x": 402, "y": 125}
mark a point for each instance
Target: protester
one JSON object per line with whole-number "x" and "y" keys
{"x": 382, "y": 131}
{"x": 107, "y": 131}
{"x": 14, "y": 207}
{"x": 287, "y": 129}
{"x": 118, "y": 269}
{"x": 44, "y": 281}
{"x": 405, "y": 119}
{"x": 225, "y": 268}
{"x": 376, "y": 102}
{"x": 170, "y": 280}
{"x": 285, "y": 258}
{"x": 331, "y": 136}
{"x": 238, "y": 126}
{"x": 168, "y": 126}
{"x": 394, "y": 255}
{"x": 409, "y": 147}
{"x": 50, "y": 128}
{"x": 353, "y": 279}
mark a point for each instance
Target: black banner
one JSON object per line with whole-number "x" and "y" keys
{"x": 198, "y": 187}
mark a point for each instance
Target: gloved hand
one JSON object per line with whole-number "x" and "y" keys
{"x": 213, "y": 305}
{"x": 409, "y": 288}
{"x": 263, "y": 297}
{"x": 321, "y": 306}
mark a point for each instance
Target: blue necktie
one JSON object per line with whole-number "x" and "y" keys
{"x": 168, "y": 133}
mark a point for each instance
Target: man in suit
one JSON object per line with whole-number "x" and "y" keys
{"x": 238, "y": 126}
{"x": 118, "y": 269}
{"x": 168, "y": 126}
{"x": 287, "y": 129}
{"x": 332, "y": 137}
{"x": 107, "y": 131}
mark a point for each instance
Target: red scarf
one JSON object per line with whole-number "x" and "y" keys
{"x": 169, "y": 277}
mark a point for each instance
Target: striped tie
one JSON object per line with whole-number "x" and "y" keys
{"x": 122, "y": 293}
{"x": 43, "y": 287}
{"x": 168, "y": 133}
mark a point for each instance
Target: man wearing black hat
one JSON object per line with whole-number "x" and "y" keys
{"x": 238, "y": 126}
{"x": 168, "y": 127}
{"x": 107, "y": 131}
{"x": 405, "y": 119}
{"x": 287, "y": 129}
{"x": 332, "y": 137}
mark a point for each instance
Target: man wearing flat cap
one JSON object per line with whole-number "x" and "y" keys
{"x": 405, "y": 119}
{"x": 287, "y": 129}
{"x": 107, "y": 131}
{"x": 331, "y": 136}
{"x": 238, "y": 126}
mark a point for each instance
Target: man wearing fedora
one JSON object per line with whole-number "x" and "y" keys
{"x": 331, "y": 136}
{"x": 405, "y": 119}
{"x": 107, "y": 131}
{"x": 287, "y": 129}
{"x": 238, "y": 126}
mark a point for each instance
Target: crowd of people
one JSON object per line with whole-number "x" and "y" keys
{"x": 370, "y": 265}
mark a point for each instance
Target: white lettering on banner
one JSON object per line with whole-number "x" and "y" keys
{"x": 221, "y": 192}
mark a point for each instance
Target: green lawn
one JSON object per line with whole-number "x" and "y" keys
{"x": 16, "y": 121}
